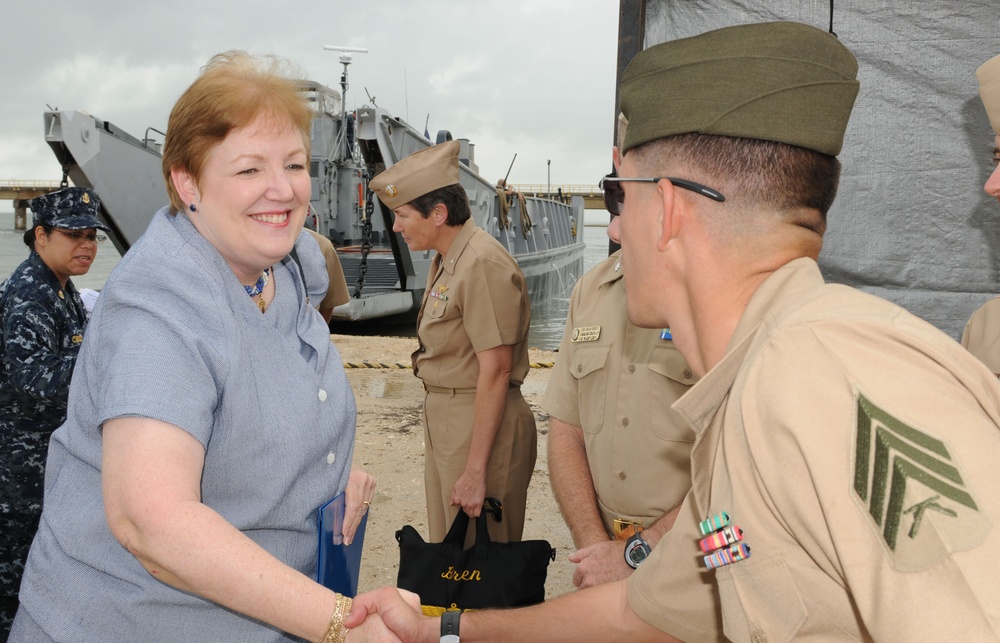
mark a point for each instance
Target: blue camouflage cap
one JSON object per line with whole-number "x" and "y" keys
{"x": 69, "y": 209}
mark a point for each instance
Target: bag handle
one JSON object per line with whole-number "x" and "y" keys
{"x": 456, "y": 534}
{"x": 460, "y": 526}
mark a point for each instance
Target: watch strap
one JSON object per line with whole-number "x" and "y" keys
{"x": 449, "y": 626}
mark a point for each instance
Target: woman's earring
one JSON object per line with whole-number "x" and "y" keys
{"x": 193, "y": 209}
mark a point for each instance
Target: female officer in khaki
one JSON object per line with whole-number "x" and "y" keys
{"x": 982, "y": 333}
{"x": 479, "y": 433}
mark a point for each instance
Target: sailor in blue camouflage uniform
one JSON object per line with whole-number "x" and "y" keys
{"x": 42, "y": 319}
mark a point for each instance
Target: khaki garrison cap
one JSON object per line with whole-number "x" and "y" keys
{"x": 417, "y": 174}
{"x": 775, "y": 81}
{"x": 989, "y": 90}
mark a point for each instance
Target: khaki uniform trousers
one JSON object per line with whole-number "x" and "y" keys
{"x": 448, "y": 419}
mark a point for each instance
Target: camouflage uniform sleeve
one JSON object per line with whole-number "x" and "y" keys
{"x": 36, "y": 361}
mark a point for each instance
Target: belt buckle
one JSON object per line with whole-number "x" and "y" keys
{"x": 625, "y": 529}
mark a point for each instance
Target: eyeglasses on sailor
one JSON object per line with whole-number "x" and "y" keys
{"x": 78, "y": 235}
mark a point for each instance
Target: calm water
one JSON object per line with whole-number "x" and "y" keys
{"x": 547, "y": 322}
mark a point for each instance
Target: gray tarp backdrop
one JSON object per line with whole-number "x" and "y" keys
{"x": 911, "y": 222}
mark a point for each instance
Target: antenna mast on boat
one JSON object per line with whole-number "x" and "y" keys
{"x": 345, "y": 60}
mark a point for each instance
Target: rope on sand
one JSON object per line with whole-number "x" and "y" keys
{"x": 367, "y": 364}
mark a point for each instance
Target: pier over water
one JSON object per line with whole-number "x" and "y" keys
{"x": 593, "y": 198}
{"x": 20, "y": 192}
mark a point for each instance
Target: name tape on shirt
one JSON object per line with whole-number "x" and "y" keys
{"x": 586, "y": 334}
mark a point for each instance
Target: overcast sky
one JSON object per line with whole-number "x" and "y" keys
{"x": 531, "y": 77}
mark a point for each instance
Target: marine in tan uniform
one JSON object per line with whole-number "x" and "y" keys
{"x": 846, "y": 451}
{"x": 982, "y": 332}
{"x": 479, "y": 433}
{"x": 618, "y": 456}
{"x": 847, "y": 444}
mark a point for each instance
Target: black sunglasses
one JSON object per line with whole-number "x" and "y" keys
{"x": 614, "y": 195}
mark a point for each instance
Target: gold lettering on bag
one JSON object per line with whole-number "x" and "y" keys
{"x": 459, "y": 576}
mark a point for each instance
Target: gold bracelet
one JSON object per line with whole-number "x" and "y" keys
{"x": 337, "y": 633}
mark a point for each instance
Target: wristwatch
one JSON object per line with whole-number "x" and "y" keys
{"x": 449, "y": 626}
{"x": 636, "y": 550}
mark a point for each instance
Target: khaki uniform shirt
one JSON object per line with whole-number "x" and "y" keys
{"x": 857, "y": 447}
{"x": 617, "y": 381}
{"x": 469, "y": 310}
{"x": 982, "y": 335}
{"x": 336, "y": 292}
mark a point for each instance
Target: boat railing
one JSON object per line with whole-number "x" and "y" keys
{"x": 150, "y": 143}
{"x": 567, "y": 190}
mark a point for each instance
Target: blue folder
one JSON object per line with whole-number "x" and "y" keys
{"x": 338, "y": 565}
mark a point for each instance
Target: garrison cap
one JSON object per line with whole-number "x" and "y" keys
{"x": 69, "y": 209}
{"x": 775, "y": 81}
{"x": 989, "y": 90}
{"x": 417, "y": 174}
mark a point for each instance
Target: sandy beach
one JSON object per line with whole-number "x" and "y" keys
{"x": 390, "y": 446}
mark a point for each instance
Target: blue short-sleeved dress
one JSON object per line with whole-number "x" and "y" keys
{"x": 174, "y": 337}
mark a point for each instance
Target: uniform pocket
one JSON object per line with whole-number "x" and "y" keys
{"x": 434, "y": 328}
{"x": 436, "y": 309}
{"x": 760, "y": 602}
{"x": 670, "y": 377}
{"x": 588, "y": 367}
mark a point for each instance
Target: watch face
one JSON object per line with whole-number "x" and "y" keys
{"x": 636, "y": 551}
{"x": 635, "y": 554}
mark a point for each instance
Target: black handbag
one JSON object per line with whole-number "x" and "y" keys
{"x": 487, "y": 574}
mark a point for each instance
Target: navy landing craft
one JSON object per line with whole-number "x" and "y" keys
{"x": 385, "y": 277}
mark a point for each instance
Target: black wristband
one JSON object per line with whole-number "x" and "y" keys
{"x": 449, "y": 626}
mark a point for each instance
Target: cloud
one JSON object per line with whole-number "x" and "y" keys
{"x": 535, "y": 77}
{"x": 444, "y": 81}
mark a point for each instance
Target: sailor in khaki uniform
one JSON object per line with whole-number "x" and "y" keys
{"x": 982, "y": 332}
{"x": 844, "y": 467}
{"x": 479, "y": 432}
{"x": 618, "y": 455}
{"x": 336, "y": 291}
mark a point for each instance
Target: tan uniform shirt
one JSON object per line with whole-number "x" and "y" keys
{"x": 857, "y": 447}
{"x": 336, "y": 292}
{"x": 617, "y": 382}
{"x": 476, "y": 299}
{"x": 982, "y": 335}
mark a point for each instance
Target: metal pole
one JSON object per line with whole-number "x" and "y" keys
{"x": 548, "y": 188}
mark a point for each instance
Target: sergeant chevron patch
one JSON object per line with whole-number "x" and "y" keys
{"x": 912, "y": 490}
